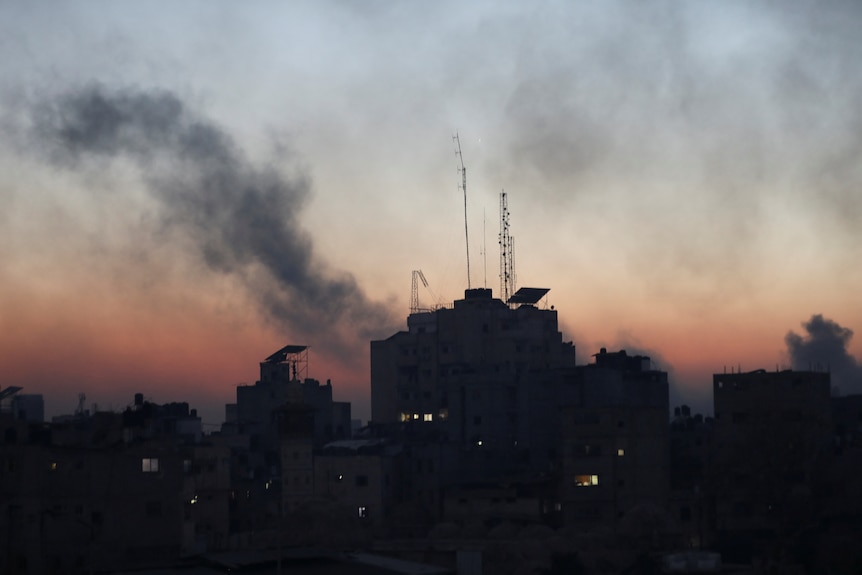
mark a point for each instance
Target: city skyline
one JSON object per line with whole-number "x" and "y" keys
{"x": 683, "y": 178}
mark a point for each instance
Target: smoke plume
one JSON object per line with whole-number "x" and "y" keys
{"x": 825, "y": 347}
{"x": 243, "y": 218}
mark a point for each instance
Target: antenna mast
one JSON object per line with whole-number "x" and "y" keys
{"x": 507, "y": 252}
{"x": 463, "y": 185}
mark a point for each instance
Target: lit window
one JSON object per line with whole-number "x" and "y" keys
{"x": 363, "y": 512}
{"x": 340, "y": 477}
{"x": 586, "y": 480}
{"x": 621, "y": 452}
{"x": 150, "y": 465}
{"x": 427, "y": 417}
{"x": 405, "y": 416}
{"x": 444, "y": 414}
{"x": 415, "y": 416}
{"x": 479, "y": 443}
{"x": 53, "y": 466}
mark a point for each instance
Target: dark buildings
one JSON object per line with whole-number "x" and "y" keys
{"x": 496, "y": 415}
{"x": 475, "y": 389}
{"x": 615, "y": 439}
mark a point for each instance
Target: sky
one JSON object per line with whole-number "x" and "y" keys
{"x": 187, "y": 187}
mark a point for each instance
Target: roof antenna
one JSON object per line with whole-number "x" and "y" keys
{"x": 507, "y": 253}
{"x": 463, "y": 186}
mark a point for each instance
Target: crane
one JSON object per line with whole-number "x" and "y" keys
{"x": 414, "y": 290}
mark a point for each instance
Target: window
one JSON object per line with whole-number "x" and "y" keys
{"x": 586, "y": 480}
{"x": 621, "y": 452}
{"x": 363, "y": 512}
{"x": 587, "y": 450}
{"x": 150, "y": 465}
{"x": 53, "y": 466}
{"x": 428, "y": 417}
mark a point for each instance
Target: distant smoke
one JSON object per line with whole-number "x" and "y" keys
{"x": 242, "y": 217}
{"x": 825, "y": 348}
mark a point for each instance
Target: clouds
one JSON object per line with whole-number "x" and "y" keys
{"x": 824, "y": 347}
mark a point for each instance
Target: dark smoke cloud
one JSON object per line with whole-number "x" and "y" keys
{"x": 242, "y": 217}
{"x": 825, "y": 347}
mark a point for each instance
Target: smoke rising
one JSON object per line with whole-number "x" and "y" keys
{"x": 825, "y": 347}
{"x": 243, "y": 218}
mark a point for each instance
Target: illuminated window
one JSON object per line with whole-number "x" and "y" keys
{"x": 363, "y": 512}
{"x": 586, "y": 480}
{"x": 427, "y": 417}
{"x": 53, "y": 466}
{"x": 150, "y": 465}
{"x": 415, "y": 416}
{"x": 405, "y": 416}
{"x": 444, "y": 414}
{"x": 621, "y": 452}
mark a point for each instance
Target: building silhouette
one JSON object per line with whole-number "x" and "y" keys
{"x": 773, "y": 442}
{"x": 474, "y": 391}
{"x": 615, "y": 453}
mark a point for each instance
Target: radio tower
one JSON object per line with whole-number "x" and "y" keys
{"x": 507, "y": 253}
{"x": 463, "y": 185}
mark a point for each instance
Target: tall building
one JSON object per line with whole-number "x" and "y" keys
{"x": 282, "y": 379}
{"x": 481, "y": 375}
{"x": 615, "y": 453}
{"x": 773, "y": 436}
{"x": 274, "y": 423}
